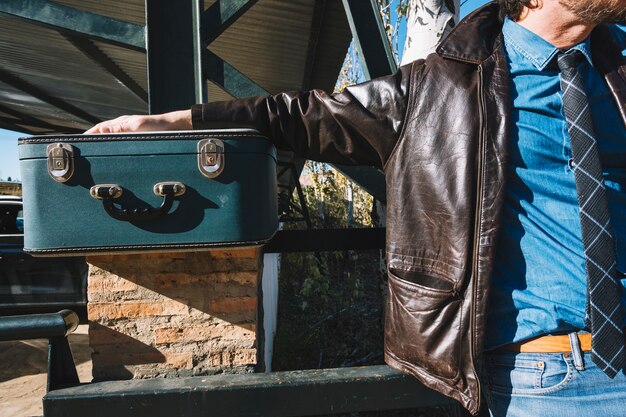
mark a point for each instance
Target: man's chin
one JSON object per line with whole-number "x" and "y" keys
{"x": 597, "y": 11}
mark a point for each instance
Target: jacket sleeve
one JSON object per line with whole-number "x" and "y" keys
{"x": 359, "y": 126}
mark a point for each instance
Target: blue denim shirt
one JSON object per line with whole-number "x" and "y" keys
{"x": 539, "y": 280}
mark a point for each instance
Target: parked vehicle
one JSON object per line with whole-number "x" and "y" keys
{"x": 31, "y": 284}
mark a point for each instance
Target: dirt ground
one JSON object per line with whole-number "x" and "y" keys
{"x": 23, "y": 374}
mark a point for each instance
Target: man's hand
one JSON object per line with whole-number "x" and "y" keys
{"x": 176, "y": 120}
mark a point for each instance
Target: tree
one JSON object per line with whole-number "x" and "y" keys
{"x": 428, "y": 22}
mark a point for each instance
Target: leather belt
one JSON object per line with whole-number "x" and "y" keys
{"x": 549, "y": 344}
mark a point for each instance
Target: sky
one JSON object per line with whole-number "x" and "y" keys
{"x": 469, "y": 5}
{"x": 9, "y": 164}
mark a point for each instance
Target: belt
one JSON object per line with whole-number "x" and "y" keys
{"x": 549, "y": 344}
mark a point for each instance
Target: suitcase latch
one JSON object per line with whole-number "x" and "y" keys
{"x": 60, "y": 161}
{"x": 211, "y": 157}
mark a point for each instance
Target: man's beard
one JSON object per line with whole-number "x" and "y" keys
{"x": 598, "y": 11}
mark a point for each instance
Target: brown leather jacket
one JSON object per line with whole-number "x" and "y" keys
{"x": 439, "y": 130}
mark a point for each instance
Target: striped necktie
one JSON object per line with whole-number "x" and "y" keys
{"x": 604, "y": 310}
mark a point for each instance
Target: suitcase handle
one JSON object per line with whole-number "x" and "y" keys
{"x": 109, "y": 192}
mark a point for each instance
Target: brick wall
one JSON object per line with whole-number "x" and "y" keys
{"x": 174, "y": 314}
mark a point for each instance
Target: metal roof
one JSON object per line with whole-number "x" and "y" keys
{"x": 53, "y": 80}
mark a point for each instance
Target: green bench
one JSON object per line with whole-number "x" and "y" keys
{"x": 276, "y": 394}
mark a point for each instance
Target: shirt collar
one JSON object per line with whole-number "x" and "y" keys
{"x": 534, "y": 48}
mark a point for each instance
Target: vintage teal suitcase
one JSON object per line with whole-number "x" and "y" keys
{"x": 159, "y": 191}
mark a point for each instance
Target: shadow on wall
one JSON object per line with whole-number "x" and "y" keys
{"x": 174, "y": 314}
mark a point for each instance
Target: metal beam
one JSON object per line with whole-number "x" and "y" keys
{"x": 217, "y": 18}
{"x": 174, "y": 80}
{"x": 8, "y": 125}
{"x": 229, "y": 78}
{"x": 285, "y": 186}
{"x": 42, "y": 95}
{"x": 199, "y": 46}
{"x": 26, "y": 127}
{"x": 88, "y": 48}
{"x": 376, "y": 61}
{"x": 319, "y": 240}
{"x": 79, "y": 22}
{"x": 368, "y": 178}
{"x": 371, "y": 40}
{"x": 28, "y": 120}
{"x": 316, "y": 28}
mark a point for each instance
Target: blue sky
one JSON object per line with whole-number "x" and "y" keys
{"x": 469, "y": 5}
{"x": 9, "y": 165}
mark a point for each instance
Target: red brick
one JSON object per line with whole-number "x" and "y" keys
{"x": 202, "y": 333}
{"x": 106, "y": 358}
{"x": 182, "y": 360}
{"x": 100, "y": 335}
{"x": 249, "y": 253}
{"x": 109, "y": 283}
{"x": 234, "y": 358}
{"x": 232, "y": 304}
{"x": 123, "y": 310}
{"x": 175, "y": 307}
{"x": 179, "y": 280}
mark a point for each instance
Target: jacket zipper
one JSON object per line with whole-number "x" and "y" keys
{"x": 479, "y": 187}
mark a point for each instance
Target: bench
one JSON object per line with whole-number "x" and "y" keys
{"x": 275, "y": 394}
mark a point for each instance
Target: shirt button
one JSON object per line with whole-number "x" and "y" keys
{"x": 570, "y": 164}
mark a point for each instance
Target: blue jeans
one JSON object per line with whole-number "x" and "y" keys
{"x": 550, "y": 385}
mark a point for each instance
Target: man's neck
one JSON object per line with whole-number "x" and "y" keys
{"x": 556, "y": 24}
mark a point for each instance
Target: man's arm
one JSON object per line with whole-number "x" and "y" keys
{"x": 176, "y": 120}
{"x": 359, "y": 126}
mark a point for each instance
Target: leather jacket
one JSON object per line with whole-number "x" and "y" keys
{"x": 438, "y": 128}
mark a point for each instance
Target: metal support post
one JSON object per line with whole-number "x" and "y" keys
{"x": 174, "y": 55}
{"x": 371, "y": 40}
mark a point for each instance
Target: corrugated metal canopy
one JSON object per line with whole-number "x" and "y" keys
{"x": 50, "y": 81}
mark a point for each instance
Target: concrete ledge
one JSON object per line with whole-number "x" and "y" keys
{"x": 295, "y": 393}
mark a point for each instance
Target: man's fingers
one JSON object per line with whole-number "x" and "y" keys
{"x": 93, "y": 130}
{"x": 180, "y": 120}
{"x": 110, "y": 126}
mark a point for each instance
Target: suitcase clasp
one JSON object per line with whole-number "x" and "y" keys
{"x": 211, "y": 157}
{"x": 60, "y": 161}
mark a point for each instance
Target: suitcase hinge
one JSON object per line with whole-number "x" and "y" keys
{"x": 60, "y": 161}
{"x": 211, "y": 157}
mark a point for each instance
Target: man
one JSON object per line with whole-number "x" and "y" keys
{"x": 486, "y": 147}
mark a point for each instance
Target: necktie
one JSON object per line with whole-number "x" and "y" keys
{"x": 604, "y": 311}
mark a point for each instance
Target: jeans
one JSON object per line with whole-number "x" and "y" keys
{"x": 551, "y": 385}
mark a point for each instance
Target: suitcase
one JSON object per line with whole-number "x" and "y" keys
{"x": 158, "y": 191}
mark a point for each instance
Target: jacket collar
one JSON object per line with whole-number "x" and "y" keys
{"x": 607, "y": 57}
{"x": 477, "y": 36}
{"x": 473, "y": 40}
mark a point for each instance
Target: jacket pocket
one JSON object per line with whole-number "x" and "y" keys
{"x": 422, "y": 325}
